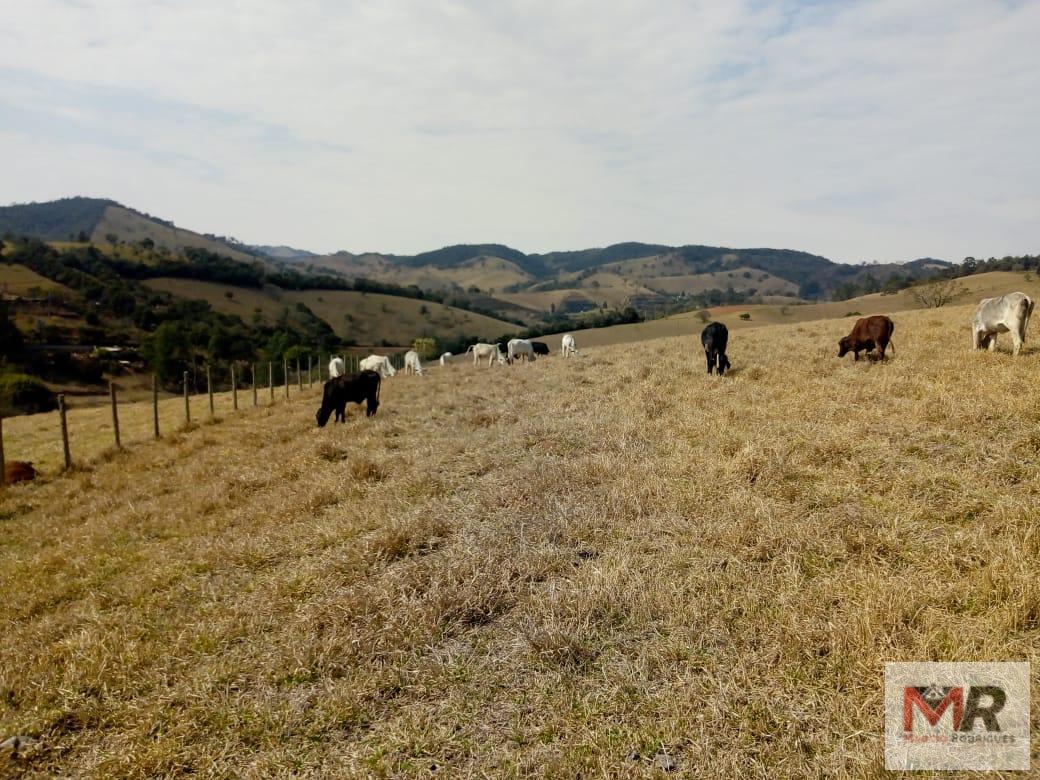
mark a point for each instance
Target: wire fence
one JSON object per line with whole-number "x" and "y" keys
{"x": 71, "y": 436}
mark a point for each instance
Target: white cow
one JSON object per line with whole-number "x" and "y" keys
{"x": 444, "y": 358}
{"x": 412, "y": 364}
{"x": 337, "y": 367}
{"x": 489, "y": 351}
{"x": 520, "y": 349}
{"x": 567, "y": 347}
{"x": 379, "y": 363}
{"x": 1006, "y": 314}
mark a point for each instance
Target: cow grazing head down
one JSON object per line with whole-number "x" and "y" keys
{"x": 868, "y": 334}
{"x": 714, "y": 339}
{"x": 339, "y": 391}
{"x": 848, "y": 344}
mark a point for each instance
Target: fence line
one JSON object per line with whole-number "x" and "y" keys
{"x": 351, "y": 363}
{"x": 115, "y": 414}
{"x": 64, "y": 430}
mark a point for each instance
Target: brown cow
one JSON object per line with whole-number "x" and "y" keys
{"x": 868, "y": 333}
{"x": 18, "y": 471}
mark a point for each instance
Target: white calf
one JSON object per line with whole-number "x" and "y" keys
{"x": 444, "y": 358}
{"x": 567, "y": 347}
{"x": 337, "y": 367}
{"x": 1006, "y": 314}
{"x": 412, "y": 364}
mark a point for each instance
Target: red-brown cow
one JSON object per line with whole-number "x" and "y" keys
{"x": 18, "y": 471}
{"x": 868, "y": 333}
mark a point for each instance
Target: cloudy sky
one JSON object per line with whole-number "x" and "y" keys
{"x": 874, "y": 130}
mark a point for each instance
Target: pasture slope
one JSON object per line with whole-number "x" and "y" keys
{"x": 555, "y": 570}
{"x": 372, "y": 316}
{"x": 968, "y": 289}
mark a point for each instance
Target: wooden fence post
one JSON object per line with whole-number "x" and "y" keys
{"x": 2, "y": 477}
{"x": 209, "y": 389}
{"x": 310, "y": 370}
{"x": 270, "y": 379}
{"x": 253, "y": 375}
{"x": 64, "y": 430}
{"x": 285, "y": 375}
{"x": 187, "y": 403}
{"x": 115, "y": 413}
{"x": 299, "y": 376}
{"x": 234, "y": 389}
{"x": 155, "y": 405}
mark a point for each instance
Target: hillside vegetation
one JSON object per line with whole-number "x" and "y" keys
{"x": 511, "y": 284}
{"x": 659, "y": 562}
{"x": 132, "y": 227}
{"x": 361, "y": 318}
{"x": 99, "y": 220}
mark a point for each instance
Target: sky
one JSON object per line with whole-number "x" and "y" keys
{"x": 878, "y": 130}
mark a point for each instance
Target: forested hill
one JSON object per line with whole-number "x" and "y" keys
{"x": 589, "y": 278}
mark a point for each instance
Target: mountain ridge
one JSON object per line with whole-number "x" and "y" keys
{"x": 598, "y": 276}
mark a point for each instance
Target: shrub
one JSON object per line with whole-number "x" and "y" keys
{"x": 745, "y": 316}
{"x": 24, "y": 394}
{"x": 853, "y": 314}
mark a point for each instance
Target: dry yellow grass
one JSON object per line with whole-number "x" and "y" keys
{"x": 37, "y": 438}
{"x": 18, "y": 280}
{"x": 549, "y": 570}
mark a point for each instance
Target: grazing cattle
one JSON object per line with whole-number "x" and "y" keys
{"x": 714, "y": 338}
{"x": 412, "y": 364}
{"x": 444, "y": 358}
{"x": 489, "y": 351}
{"x": 567, "y": 347}
{"x": 337, "y": 367}
{"x": 540, "y": 347}
{"x": 868, "y": 333}
{"x": 380, "y": 363}
{"x": 519, "y": 349}
{"x": 353, "y": 389}
{"x": 1007, "y": 314}
{"x": 18, "y": 471}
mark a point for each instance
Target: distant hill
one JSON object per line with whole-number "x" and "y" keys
{"x": 57, "y": 220}
{"x": 629, "y": 273}
{"x": 510, "y": 282}
{"x": 100, "y": 221}
{"x": 286, "y": 253}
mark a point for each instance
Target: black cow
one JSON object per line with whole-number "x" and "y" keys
{"x": 353, "y": 388}
{"x": 540, "y": 347}
{"x": 714, "y": 338}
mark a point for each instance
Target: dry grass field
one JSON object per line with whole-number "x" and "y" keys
{"x": 562, "y": 569}
{"x": 18, "y": 280}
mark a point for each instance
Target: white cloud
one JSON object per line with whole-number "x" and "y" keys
{"x": 882, "y": 129}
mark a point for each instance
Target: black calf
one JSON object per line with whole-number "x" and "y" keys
{"x": 714, "y": 338}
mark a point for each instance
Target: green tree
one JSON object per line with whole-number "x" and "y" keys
{"x": 11, "y": 339}
{"x": 168, "y": 350}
